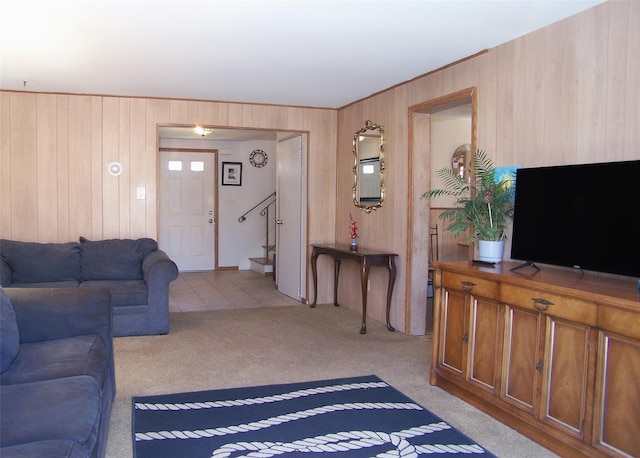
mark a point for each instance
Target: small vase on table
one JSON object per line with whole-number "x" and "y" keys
{"x": 353, "y": 233}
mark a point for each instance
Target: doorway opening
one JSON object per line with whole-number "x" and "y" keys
{"x": 235, "y": 242}
{"x": 436, "y": 129}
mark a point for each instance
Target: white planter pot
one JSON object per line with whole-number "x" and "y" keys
{"x": 490, "y": 251}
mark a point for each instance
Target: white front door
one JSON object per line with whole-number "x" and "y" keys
{"x": 187, "y": 212}
{"x": 291, "y": 211}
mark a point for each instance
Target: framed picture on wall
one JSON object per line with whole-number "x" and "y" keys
{"x": 232, "y": 174}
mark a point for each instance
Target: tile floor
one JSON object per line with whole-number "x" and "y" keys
{"x": 226, "y": 289}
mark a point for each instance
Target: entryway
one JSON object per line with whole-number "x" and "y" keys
{"x": 224, "y": 289}
{"x": 233, "y": 242}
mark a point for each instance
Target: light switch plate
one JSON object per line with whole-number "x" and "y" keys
{"x": 140, "y": 192}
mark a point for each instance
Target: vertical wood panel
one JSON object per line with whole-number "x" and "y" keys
{"x": 47, "y": 163}
{"x": 560, "y": 93}
{"x": 631, "y": 138}
{"x": 24, "y": 176}
{"x": 124, "y": 187}
{"x": 212, "y": 113}
{"x": 192, "y": 112}
{"x": 506, "y": 100}
{"x": 488, "y": 88}
{"x": 96, "y": 169}
{"x": 592, "y": 100}
{"x": 110, "y": 142}
{"x": 418, "y": 250}
{"x": 79, "y": 165}
{"x": 64, "y": 222}
{"x": 178, "y": 112}
{"x": 259, "y": 116}
{"x": 530, "y": 103}
{"x": 137, "y": 117}
{"x": 157, "y": 112}
{"x": 5, "y": 167}
{"x": 235, "y": 114}
{"x": 616, "y": 78}
{"x": 295, "y": 118}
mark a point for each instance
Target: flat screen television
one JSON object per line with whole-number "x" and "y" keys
{"x": 585, "y": 216}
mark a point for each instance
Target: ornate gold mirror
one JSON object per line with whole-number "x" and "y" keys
{"x": 368, "y": 167}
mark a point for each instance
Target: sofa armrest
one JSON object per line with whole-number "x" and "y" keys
{"x": 55, "y": 313}
{"x": 6, "y": 273}
{"x": 158, "y": 270}
{"x": 158, "y": 267}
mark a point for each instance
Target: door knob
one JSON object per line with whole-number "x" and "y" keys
{"x": 278, "y": 221}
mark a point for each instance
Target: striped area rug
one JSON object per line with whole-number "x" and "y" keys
{"x": 350, "y": 417}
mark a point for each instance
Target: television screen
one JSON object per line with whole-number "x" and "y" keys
{"x": 584, "y": 216}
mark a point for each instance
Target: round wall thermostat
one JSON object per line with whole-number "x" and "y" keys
{"x": 258, "y": 158}
{"x": 114, "y": 169}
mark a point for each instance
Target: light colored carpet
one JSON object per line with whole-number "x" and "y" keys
{"x": 235, "y": 348}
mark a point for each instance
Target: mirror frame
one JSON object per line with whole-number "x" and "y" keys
{"x": 368, "y": 126}
{"x": 461, "y": 160}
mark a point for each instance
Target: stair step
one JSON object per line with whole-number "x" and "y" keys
{"x": 263, "y": 266}
{"x": 262, "y": 261}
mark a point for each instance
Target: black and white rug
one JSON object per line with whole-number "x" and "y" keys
{"x": 351, "y": 417}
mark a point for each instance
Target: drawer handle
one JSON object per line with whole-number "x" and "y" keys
{"x": 467, "y": 285}
{"x": 541, "y": 304}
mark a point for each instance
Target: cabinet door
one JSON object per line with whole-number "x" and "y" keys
{"x": 569, "y": 363}
{"x": 484, "y": 343}
{"x": 522, "y": 359}
{"x": 453, "y": 334}
{"x": 617, "y": 411}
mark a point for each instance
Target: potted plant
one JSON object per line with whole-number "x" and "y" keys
{"x": 484, "y": 205}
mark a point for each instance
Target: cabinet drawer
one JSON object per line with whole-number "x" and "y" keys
{"x": 569, "y": 308}
{"x": 623, "y": 322}
{"x": 472, "y": 285}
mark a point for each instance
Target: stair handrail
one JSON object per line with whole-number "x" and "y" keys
{"x": 243, "y": 217}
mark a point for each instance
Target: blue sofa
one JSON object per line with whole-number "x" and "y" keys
{"x": 57, "y": 378}
{"x": 136, "y": 273}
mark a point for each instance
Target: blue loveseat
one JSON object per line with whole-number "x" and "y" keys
{"x": 57, "y": 379}
{"x": 136, "y": 273}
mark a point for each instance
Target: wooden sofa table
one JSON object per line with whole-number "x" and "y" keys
{"x": 366, "y": 258}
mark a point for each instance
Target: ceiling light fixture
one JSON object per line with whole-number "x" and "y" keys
{"x": 202, "y": 131}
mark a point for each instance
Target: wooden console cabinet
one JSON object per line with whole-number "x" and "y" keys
{"x": 554, "y": 354}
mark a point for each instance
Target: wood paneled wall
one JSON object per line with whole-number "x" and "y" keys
{"x": 55, "y": 148}
{"x": 567, "y": 93}
{"x": 564, "y": 94}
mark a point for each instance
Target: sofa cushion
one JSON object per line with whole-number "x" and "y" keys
{"x": 110, "y": 260}
{"x": 51, "y": 359}
{"x": 9, "y": 335}
{"x": 41, "y": 262}
{"x": 123, "y": 292}
{"x": 49, "y": 448}
{"x": 118, "y": 259}
{"x": 28, "y": 415}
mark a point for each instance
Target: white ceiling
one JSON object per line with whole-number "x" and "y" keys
{"x": 318, "y": 53}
